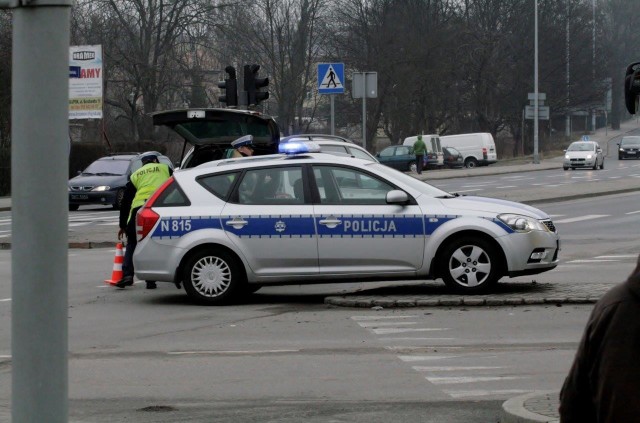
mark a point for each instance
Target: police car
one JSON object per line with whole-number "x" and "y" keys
{"x": 228, "y": 227}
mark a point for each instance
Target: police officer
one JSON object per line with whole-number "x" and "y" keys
{"x": 141, "y": 185}
{"x": 243, "y": 146}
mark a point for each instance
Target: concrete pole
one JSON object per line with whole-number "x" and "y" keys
{"x": 39, "y": 175}
{"x": 536, "y": 158}
{"x": 333, "y": 124}
{"x": 364, "y": 110}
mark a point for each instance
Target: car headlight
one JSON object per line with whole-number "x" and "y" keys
{"x": 520, "y": 223}
{"x": 102, "y": 188}
{"x": 566, "y": 156}
{"x": 622, "y": 149}
{"x": 589, "y": 156}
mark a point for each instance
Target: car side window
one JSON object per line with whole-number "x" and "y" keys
{"x": 360, "y": 154}
{"x": 387, "y": 152}
{"x": 341, "y": 185}
{"x": 272, "y": 186}
{"x": 337, "y": 148}
{"x": 402, "y": 151}
{"x": 219, "y": 184}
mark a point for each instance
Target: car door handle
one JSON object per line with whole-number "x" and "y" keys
{"x": 236, "y": 223}
{"x": 330, "y": 222}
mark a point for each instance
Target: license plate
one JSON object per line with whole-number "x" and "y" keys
{"x": 79, "y": 197}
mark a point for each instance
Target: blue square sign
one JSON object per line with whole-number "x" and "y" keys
{"x": 330, "y": 78}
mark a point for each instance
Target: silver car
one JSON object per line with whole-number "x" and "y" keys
{"x": 583, "y": 154}
{"x": 228, "y": 227}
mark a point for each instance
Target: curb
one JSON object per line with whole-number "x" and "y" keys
{"x": 449, "y": 302}
{"x": 514, "y": 410}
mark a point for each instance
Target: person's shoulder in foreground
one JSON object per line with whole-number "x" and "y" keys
{"x": 604, "y": 381}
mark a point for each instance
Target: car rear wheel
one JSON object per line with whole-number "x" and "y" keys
{"x": 565, "y": 168}
{"x": 470, "y": 266}
{"x": 213, "y": 277}
{"x": 470, "y": 163}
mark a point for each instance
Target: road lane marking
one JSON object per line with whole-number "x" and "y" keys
{"x": 453, "y": 368}
{"x": 591, "y": 261}
{"x": 387, "y": 331}
{"x": 484, "y": 393}
{"x": 470, "y": 379}
{"x": 581, "y": 218}
{"x": 413, "y": 358}
{"x": 633, "y": 212}
{"x": 220, "y": 352}
{"x": 361, "y": 318}
{"x": 414, "y": 339}
{"x": 4, "y": 300}
{"x": 507, "y": 186}
{"x": 376, "y": 324}
{"x": 618, "y": 256}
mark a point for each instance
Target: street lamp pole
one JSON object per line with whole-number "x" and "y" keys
{"x": 536, "y": 158}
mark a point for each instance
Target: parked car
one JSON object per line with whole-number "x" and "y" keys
{"x": 478, "y": 149}
{"x": 225, "y": 228}
{"x": 583, "y": 154}
{"x": 103, "y": 181}
{"x": 452, "y": 158}
{"x": 399, "y": 157}
{"x": 434, "y": 155}
{"x": 211, "y": 131}
{"x": 332, "y": 144}
{"x": 629, "y": 147}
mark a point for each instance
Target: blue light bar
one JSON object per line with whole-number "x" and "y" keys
{"x": 296, "y": 147}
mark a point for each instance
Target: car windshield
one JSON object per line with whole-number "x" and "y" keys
{"x": 414, "y": 183}
{"x": 630, "y": 141}
{"x": 106, "y": 167}
{"x": 581, "y": 146}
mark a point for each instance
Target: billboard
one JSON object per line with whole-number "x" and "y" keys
{"x": 85, "y": 82}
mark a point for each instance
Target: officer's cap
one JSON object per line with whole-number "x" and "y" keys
{"x": 148, "y": 158}
{"x": 247, "y": 140}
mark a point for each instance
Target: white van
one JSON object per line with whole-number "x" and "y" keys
{"x": 477, "y": 149}
{"x": 434, "y": 156}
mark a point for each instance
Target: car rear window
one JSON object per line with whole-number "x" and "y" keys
{"x": 172, "y": 196}
{"x": 219, "y": 184}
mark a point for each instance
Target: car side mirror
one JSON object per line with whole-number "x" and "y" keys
{"x": 79, "y": 173}
{"x": 397, "y": 196}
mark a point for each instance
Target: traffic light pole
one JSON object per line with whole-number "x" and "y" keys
{"x": 40, "y": 120}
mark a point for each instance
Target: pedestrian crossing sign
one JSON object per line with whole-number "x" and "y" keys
{"x": 330, "y": 78}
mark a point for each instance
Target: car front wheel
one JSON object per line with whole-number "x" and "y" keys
{"x": 119, "y": 196}
{"x": 470, "y": 266}
{"x": 213, "y": 277}
{"x": 471, "y": 163}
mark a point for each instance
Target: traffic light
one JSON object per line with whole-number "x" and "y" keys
{"x": 252, "y": 85}
{"x": 632, "y": 87}
{"x": 230, "y": 87}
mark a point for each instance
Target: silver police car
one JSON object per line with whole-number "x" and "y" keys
{"x": 228, "y": 227}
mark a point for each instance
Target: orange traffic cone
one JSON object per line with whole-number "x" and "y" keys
{"x": 116, "y": 275}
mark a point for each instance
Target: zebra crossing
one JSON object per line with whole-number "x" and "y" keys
{"x": 458, "y": 370}
{"x": 76, "y": 220}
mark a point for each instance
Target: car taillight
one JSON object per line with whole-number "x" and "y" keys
{"x": 146, "y": 218}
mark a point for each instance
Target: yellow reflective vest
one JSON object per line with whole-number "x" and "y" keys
{"x": 147, "y": 180}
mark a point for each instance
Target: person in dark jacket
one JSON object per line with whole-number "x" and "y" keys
{"x": 603, "y": 385}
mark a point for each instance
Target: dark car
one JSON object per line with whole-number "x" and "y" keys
{"x": 452, "y": 158}
{"x": 401, "y": 157}
{"x": 103, "y": 181}
{"x": 629, "y": 147}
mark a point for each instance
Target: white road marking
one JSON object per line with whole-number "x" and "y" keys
{"x": 619, "y": 256}
{"x": 4, "y": 300}
{"x": 470, "y": 379}
{"x": 521, "y": 178}
{"x": 484, "y": 393}
{"x": 591, "y": 261}
{"x": 413, "y": 358}
{"x": 414, "y": 339}
{"x": 633, "y": 212}
{"x": 452, "y": 368}
{"x": 507, "y": 186}
{"x": 556, "y": 215}
{"x": 581, "y": 218}
{"x": 5, "y": 356}
{"x": 376, "y": 324}
{"x": 231, "y": 352}
{"x": 361, "y": 318}
{"x": 386, "y": 331}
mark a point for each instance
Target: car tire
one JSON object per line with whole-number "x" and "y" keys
{"x": 119, "y": 196}
{"x": 73, "y": 207}
{"x": 602, "y": 165}
{"x": 565, "y": 168}
{"x": 213, "y": 277}
{"x": 595, "y": 165}
{"x": 470, "y": 163}
{"x": 413, "y": 167}
{"x": 620, "y": 157}
{"x": 470, "y": 266}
